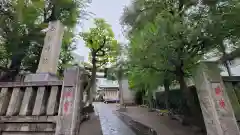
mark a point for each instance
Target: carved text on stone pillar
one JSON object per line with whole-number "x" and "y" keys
{"x": 222, "y": 103}
{"x": 52, "y": 28}
{"x": 51, "y": 49}
{"x": 67, "y": 104}
{"x": 218, "y": 91}
{"x": 219, "y": 95}
{"x": 47, "y": 48}
{"x": 45, "y": 60}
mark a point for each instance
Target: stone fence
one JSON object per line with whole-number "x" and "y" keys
{"x": 42, "y": 108}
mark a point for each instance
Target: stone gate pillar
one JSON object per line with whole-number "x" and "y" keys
{"x": 69, "y": 116}
{"x": 216, "y": 108}
{"x": 47, "y": 67}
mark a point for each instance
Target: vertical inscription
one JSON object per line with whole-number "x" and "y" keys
{"x": 47, "y": 48}
{"x": 67, "y": 103}
{"x": 52, "y": 28}
{"x": 222, "y": 103}
{"x": 45, "y": 60}
{"x": 218, "y": 91}
{"x": 227, "y": 124}
{"x": 219, "y": 95}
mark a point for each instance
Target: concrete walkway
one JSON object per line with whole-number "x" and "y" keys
{"x": 110, "y": 123}
{"x": 92, "y": 126}
{"x": 104, "y": 122}
{"x": 163, "y": 125}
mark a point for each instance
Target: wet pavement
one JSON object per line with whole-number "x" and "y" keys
{"x": 110, "y": 123}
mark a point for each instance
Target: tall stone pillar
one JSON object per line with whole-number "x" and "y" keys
{"x": 126, "y": 93}
{"x": 216, "y": 108}
{"x": 120, "y": 92}
{"x": 47, "y": 67}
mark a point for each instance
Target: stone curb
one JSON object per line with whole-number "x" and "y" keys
{"x": 180, "y": 120}
{"x": 137, "y": 127}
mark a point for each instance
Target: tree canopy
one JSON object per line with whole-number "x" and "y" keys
{"x": 21, "y": 38}
{"x": 167, "y": 38}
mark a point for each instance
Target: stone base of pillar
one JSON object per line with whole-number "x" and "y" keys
{"x": 39, "y": 77}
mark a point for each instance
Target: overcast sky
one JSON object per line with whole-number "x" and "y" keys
{"x": 111, "y": 11}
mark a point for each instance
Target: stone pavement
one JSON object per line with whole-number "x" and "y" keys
{"x": 105, "y": 122}
{"x": 163, "y": 125}
{"x": 92, "y": 126}
{"x": 110, "y": 123}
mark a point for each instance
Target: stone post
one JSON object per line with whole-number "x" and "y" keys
{"x": 47, "y": 67}
{"x": 120, "y": 92}
{"x": 70, "y": 104}
{"x": 216, "y": 108}
{"x": 127, "y": 94}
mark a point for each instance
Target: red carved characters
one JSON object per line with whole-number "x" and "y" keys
{"x": 222, "y": 103}
{"x": 218, "y": 91}
{"x": 67, "y": 94}
{"x": 67, "y": 101}
{"x": 65, "y": 106}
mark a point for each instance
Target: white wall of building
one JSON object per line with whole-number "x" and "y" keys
{"x": 103, "y": 82}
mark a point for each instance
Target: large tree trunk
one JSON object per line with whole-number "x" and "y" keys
{"x": 14, "y": 68}
{"x": 227, "y": 65}
{"x": 192, "y": 112}
{"x": 188, "y": 106}
{"x": 186, "y": 93}
{"x": 93, "y": 80}
{"x": 150, "y": 100}
{"x": 166, "y": 93}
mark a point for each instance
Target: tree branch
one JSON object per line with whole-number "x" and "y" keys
{"x": 159, "y": 70}
{"x": 102, "y": 51}
{"x": 102, "y": 45}
{"x": 102, "y": 63}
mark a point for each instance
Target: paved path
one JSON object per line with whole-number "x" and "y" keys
{"x": 110, "y": 123}
{"x": 161, "y": 124}
{"x": 92, "y": 126}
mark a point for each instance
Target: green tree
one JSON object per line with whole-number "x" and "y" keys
{"x": 103, "y": 49}
{"x": 66, "y": 58}
{"x": 171, "y": 36}
{"x": 21, "y": 24}
{"x": 222, "y": 26}
{"x": 168, "y": 42}
{"x": 143, "y": 65}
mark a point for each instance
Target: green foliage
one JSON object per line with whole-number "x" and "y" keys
{"x": 175, "y": 101}
{"x": 168, "y": 38}
{"x": 101, "y": 41}
{"x": 103, "y": 47}
{"x": 21, "y": 22}
{"x": 171, "y": 37}
{"x": 66, "y": 58}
